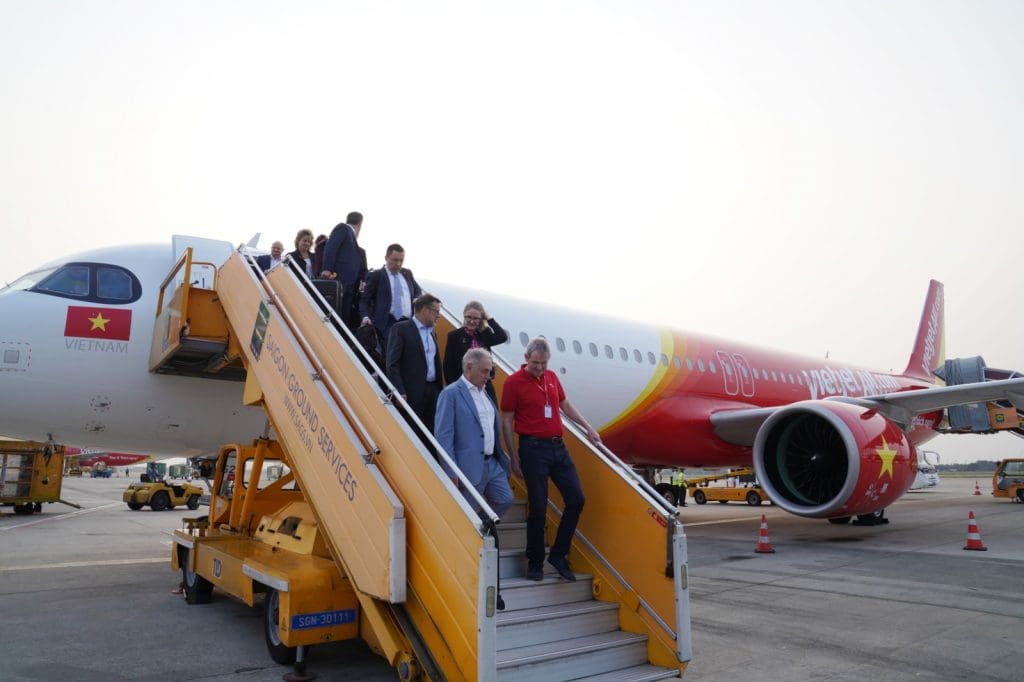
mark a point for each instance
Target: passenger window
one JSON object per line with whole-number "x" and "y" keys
{"x": 524, "y": 339}
{"x": 650, "y": 358}
{"x": 774, "y": 376}
{"x": 728, "y": 370}
{"x": 675, "y": 361}
{"x": 636, "y": 356}
{"x": 577, "y": 346}
{"x": 560, "y": 344}
{"x": 608, "y": 352}
{"x": 689, "y": 364}
{"x": 700, "y": 364}
{"x": 72, "y": 280}
{"x": 593, "y": 348}
{"x": 664, "y": 360}
{"x": 113, "y": 283}
{"x": 744, "y": 372}
{"x": 624, "y": 354}
{"x": 712, "y": 367}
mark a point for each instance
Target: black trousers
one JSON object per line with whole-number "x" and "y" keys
{"x": 426, "y": 406}
{"x": 543, "y": 459}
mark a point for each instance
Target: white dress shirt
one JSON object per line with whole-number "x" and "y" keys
{"x": 485, "y": 412}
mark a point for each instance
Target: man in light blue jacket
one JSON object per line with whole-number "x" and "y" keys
{"x": 466, "y": 426}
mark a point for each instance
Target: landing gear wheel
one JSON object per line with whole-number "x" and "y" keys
{"x": 193, "y": 502}
{"x": 135, "y": 506}
{"x": 874, "y": 519}
{"x": 160, "y": 501}
{"x": 839, "y": 520}
{"x": 699, "y": 497}
{"x": 285, "y": 655}
{"x": 753, "y": 499}
{"x": 198, "y": 590}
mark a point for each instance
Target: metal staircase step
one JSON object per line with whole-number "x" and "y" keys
{"x": 570, "y": 659}
{"x": 520, "y": 593}
{"x": 526, "y": 627}
{"x": 512, "y": 535}
{"x": 637, "y": 673}
{"x": 516, "y": 513}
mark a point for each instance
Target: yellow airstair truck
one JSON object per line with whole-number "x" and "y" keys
{"x": 365, "y": 535}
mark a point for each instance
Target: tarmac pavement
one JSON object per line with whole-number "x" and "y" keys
{"x": 87, "y": 595}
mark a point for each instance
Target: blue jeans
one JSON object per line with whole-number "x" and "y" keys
{"x": 540, "y": 460}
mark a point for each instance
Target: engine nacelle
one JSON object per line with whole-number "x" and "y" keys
{"x": 825, "y": 459}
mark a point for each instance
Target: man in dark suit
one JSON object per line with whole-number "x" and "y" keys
{"x": 341, "y": 262}
{"x": 466, "y": 426}
{"x": 413, "y": 363}
{"x": 265, "y": 262}
{"x": 389, "y": 293}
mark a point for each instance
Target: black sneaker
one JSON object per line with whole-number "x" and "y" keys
{"x": 535, "y": 572}
{"x": 562, "y": 566}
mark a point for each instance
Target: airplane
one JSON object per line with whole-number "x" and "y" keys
{"x": 826, "y": 439}
{"x": 90, "y": 456}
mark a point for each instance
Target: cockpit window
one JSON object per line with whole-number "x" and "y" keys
{"x": 71, "y": 280}
{"x": 28, "y": 281}
{"x": 93, "y": 282}
{"x": 113, "y": 283}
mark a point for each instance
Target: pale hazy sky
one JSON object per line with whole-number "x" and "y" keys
{"x": 786, "y": 173}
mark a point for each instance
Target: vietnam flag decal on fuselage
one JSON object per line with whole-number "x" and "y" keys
{"x": 93, "y": 322}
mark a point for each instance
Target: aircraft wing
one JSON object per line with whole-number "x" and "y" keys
{"x": 740, "y": 426}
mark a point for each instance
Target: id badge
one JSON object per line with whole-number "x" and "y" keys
{"x": 547, "y": 412}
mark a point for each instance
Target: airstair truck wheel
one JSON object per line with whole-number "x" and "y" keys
{"x": 285, "y": 655}
{"x": 193, "y": 502}
{"x": 198, "y": 590}
{"x": 753, "y": 499}
{"x": 699, "y": 497}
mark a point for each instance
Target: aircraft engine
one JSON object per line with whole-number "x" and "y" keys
{"x": 826, "y": 459}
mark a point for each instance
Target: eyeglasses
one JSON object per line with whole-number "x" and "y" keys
{"x": 474, "y": 317}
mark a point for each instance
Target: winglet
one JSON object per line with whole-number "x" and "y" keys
{"x": 930, "y": 345}
{"x": 254, "y": 241}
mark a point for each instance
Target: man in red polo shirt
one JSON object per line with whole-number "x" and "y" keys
{"x": 531, "y": 404}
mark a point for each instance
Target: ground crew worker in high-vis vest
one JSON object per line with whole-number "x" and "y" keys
{"x": 679, "y": 481}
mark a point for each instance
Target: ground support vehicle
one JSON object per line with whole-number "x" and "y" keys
{"x": 676, "y": 494}
{"x": 266, "y": 541}
{"x": 30, "y": 473}
{"x": 752, "y": 494}
{"x": 101, "y": 470}
{"x": 160, "y": 495}
{"x": 1008, "y": 480}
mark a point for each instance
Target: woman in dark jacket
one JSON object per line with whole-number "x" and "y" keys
{"x": 302, "y": 255}
{"x": 477, "y": 331}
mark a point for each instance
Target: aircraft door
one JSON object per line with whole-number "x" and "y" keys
{"x": 729, "y": 374}
{"x": 745, "y": 375}
{"x": 207, "y": 256}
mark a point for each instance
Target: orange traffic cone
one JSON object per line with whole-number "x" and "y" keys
{"x": 973, "y": 536}
{"x": 764, "y": 545}
{"x": 977, "y": 490}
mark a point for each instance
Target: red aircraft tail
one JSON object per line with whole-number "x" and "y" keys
{"x": 930, "y": 345}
